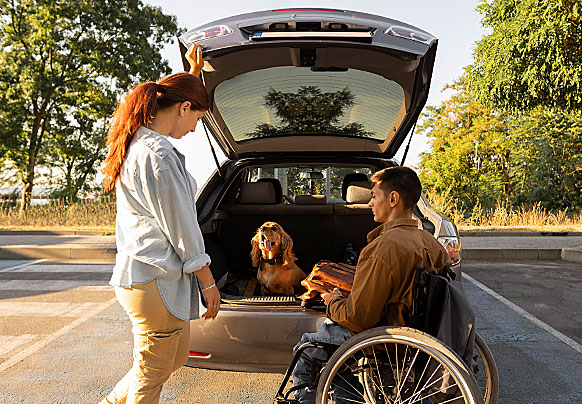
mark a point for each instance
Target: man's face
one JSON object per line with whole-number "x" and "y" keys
{"x": 380, "y": 204}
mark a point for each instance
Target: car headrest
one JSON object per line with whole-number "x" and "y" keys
{"x": 348, "y": 179}
{"x": 359, "y": 192}
{"x": 278, "y": 188}
{"x": 310, "y": 200}
{"x": 257, "y": 193}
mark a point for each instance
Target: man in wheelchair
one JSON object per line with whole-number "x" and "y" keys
{"x": 383, "y": 283}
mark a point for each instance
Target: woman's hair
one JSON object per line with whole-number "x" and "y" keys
{"x": 139, "y": 109}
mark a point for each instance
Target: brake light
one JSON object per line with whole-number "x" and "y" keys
{"x": 309, "y": 9}
{"x": 407, "y": 33}
{"x": 453, "y": 246}
{"x": 211, "y": 32}
{"x": 199, "y": 355}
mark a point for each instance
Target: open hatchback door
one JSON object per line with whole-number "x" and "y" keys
{"x": 313, "y": 81}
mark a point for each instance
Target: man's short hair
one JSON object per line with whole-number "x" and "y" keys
{"x": 402, "y": 180}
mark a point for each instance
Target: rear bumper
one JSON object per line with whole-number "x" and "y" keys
{"x": 251, "y": 339}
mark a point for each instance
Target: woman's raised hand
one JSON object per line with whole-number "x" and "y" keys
{"x": 194, "y": 56}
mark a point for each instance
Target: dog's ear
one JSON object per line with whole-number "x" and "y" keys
{"x": 256, "y": 251}
{"x": 287, "y": 247}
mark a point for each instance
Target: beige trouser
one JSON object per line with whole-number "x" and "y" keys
{"x": 160, "y": 345}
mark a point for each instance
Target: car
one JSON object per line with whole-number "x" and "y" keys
{"x": 306, "y": 105}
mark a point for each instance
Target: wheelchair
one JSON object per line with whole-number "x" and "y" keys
{"x": 399, "y": 365}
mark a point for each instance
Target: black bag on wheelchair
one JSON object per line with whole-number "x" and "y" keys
{"x": 442, "y": 309}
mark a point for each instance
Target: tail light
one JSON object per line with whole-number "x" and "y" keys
{"x": 207, "y": 33}
{"x": 449, "y": 238}
{"x": 407, "y": 33}
{"x": 453, "y": 246}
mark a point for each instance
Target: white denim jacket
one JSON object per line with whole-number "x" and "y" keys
{"x": 157, "y": 230}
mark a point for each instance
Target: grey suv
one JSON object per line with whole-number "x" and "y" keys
{"x": 303, "y": 102}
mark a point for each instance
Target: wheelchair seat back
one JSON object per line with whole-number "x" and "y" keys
{"x": 428, "y": 298}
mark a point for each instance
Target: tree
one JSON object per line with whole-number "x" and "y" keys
{"x": 64, "y": 59}
{"x": 548, "y": 159}
{"x": 532, "y": 56}
{"x": 471, "y": 150}
{"x": 309, "y": 111}
{"x": 75, "y": 152}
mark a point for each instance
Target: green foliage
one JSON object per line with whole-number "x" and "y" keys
{"x": 470, "y": 157}
{"x": 480, "y": 159}
{"x": 63, "y": 65}
{"x": 309, "y": 111}
{"x": 548, "y": 157}
{"x": 531, "y": 57}
{"x": 74, "y": 153}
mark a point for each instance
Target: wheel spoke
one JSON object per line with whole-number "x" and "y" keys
{"x": 426, "y": 386}
{"x": 409, "y": 369}
{"x": 379, "y": 375}
{"x": 347, "y": 381}
{"x": 420, "y": 377}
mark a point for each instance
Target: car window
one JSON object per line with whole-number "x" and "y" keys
{"x": 293, "y": 183}
{"x": 289, "y": 100}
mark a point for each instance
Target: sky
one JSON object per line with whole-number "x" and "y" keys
{"x": 455, "y": 23}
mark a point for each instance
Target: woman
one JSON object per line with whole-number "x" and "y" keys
{"x": 159, "y": 241}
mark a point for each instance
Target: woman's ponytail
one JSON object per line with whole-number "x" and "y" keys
{"x": 139, "y": 109}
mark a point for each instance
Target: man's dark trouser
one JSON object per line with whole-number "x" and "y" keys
{"x": 329, "y": 333}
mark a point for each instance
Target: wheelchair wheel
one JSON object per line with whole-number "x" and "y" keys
{"x": 485, "y": 371}
{"x": 396, "y": 365}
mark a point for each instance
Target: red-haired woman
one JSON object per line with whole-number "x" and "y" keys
{"x": 159, "y": 242}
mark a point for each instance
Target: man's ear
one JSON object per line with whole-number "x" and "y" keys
{"x": 393, "y": 198}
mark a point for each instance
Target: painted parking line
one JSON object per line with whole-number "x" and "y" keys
{"x": 17, "y": 267}
{"x": 10, "y": 342}
{"x": 50, "y": 338}
{"x": 64, "y": 268}
{"x": 43, "y": 309}
{"x": 565, "y": 339}
{"x": 53, "y": 286}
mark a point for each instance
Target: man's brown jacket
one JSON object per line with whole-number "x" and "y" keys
{"x": 382, "y": 289}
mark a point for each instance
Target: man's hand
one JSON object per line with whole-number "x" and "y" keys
{"x": 328, "y": 296}
{"x": 194, "y": 56}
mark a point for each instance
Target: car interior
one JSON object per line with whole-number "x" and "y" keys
{"x": 322, "y": 228}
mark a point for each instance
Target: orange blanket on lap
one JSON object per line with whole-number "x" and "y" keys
{"x": 326, "y": 276}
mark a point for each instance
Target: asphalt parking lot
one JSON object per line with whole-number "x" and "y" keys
{"x": 64, "y": 338}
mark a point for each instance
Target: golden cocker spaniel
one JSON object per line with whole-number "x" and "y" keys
{"x": 273, "y": 254}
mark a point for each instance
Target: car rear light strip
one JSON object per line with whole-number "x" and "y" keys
{"x": 310, "y": 34}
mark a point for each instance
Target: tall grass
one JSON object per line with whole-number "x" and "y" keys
{"x": 504, "y": 215}
{"x": 85, "y": 214}
{"x": 100, "y": 215}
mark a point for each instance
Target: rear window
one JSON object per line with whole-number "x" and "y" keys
{"x": 302, "y": 101}
{"x": 293, "y": 184}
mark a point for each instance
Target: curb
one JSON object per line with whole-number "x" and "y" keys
{"x": 57, "y": 253}
{"x": 512, "y": 253}
{"x": 107, "y": 254}
{"x": 56, "y": 233}
{"x": 573, "y": 254}
{"x": 484, "y": 233}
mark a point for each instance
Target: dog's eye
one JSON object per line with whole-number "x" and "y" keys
{"x": 274, "y": 228}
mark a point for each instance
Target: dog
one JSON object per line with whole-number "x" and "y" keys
{"x": 272, "y": 253}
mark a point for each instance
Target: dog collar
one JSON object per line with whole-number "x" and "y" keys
{"x": 272, "y": 261}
